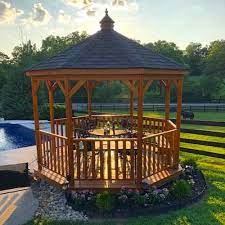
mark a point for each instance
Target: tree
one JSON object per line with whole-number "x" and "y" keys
{"x": 215, "y": 59}
{"x": 3, "y": 57}
{"x": 16, "y": 100}
{"x": 194, "y": 57}
{"x": 168, "y": 49}
{"x": 55, "y": 44}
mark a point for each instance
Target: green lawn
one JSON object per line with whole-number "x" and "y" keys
{"x": 200, "y": 127}
{"x": 203, "y": 137}
{"x": 203, "y": 148}
{"x": 213, "y": 116}
{"x": 209, "y": 211}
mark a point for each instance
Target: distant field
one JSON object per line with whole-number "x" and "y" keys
{"x": 212, "y": 116}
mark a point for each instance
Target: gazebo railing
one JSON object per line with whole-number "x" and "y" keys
{"x": 105, "y": 159}
{"x": 109, "y": 158}
{"x": 150, "y": 125}
{"x": 157, "y": 152}
{"x": 54, "y": 153}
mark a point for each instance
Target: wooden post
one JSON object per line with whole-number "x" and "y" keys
{"x": 178, "y": 122}
{"x": 131, "y": 102}
{"x": 89, "y": 93}
{"x": 35, "y": 86}
{"x": 51, "y": 109}
{"x": 140, "y": 131}
{"x": 69, "y": 132}
{"x": 167, "y": 100}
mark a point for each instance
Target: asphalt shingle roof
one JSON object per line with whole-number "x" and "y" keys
{"x": 108, "y": 49}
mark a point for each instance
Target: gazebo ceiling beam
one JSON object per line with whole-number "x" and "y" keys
{"x": 36, "y": 87}
{"x": 163, "y": 83}
{"x": 130, "y": 71}
{"x": 62, "y": 87}
{"x": 76, "y": 87}
{"x": 51, "y": 85}
{"x": 175, "y": 83}
{"x": 111, "y": 77}
{"x": 147, "y": 85}
{"x": 129, "y": 85}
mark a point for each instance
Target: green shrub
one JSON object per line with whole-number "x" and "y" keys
{"x": 189, "y": 162}
{"x": 105, "y": 201}
{"x": 180, "y": 189}
{"x": 59, "y": 111}
{"x": 139, "y": 200}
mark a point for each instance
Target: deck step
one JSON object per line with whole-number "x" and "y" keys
{"x": 162, "y": 177}
{"x": 51, "y": 177}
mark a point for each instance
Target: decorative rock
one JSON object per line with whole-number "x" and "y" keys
{"x": 52, "y": 203}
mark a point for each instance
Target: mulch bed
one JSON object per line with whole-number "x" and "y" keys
{"x": 198, "y": 191}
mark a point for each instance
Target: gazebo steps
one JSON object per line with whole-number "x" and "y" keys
{"x": 51, "y": 177}
{"x": 162, "y": 177}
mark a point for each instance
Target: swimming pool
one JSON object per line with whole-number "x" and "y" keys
{"x": 15, "y": 136}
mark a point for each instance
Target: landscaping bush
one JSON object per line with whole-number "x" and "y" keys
{"x": 82, "y": 199}
{"x": 180, "y": 189}
{"x": 59, "y": 111}
{"x": 105, "y": 201}
{"x": 189, "y": 162}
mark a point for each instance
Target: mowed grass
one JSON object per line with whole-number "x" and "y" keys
{"x": 207, "y": 128}
{"x": 209, "y": 211}
{"x": 203, "y": 148}
{"x": 212, "y": 116}
{"x": 203, "y": 137}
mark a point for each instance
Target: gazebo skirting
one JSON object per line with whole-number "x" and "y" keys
{"x": 99, "y": 163}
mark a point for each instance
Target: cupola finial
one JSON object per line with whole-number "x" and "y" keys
{"x": 107, "y": 23}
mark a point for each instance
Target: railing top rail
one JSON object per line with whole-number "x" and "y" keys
{"x": 116, "y": 116}
{"x": 172, "y": 124}
{"x": 105, "y": 139}
{"x": 161, "y": 133}
{"x": 111, "y": 115}
{"x": 51, "y": 134}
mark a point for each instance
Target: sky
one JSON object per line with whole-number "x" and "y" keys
{"x": 179, "y": 21}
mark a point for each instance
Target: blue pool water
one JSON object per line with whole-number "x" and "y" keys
{"x": 15, "y": 136}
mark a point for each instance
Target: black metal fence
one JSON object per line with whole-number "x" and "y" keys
{"x": 113, "y": 107}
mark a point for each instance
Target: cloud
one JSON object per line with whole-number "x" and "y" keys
{"x": 129, "y": 5}
{"x": 38, "y": 16}
{"x": 7, "y": 13}
{"x": 63, "y": 18}
{"x": 90, "y": 7}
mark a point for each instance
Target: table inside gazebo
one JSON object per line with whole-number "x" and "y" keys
{"x": 100, "y": 132}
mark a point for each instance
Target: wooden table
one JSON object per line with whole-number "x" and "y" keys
{"x": 100, "y": 133}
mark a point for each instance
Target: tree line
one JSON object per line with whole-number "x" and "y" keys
{"x": 205, "y": 81}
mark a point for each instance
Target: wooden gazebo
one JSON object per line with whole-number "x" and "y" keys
{"x": 150, "y": 155}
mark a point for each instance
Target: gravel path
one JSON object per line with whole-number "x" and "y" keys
{"x": 52, "y": 203}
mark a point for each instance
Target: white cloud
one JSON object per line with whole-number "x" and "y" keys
{"x": 63, "y": 17}
{"x": 7, "y": 13}
{"x": 38, "y": 16}
{"x": 91, "y": 7}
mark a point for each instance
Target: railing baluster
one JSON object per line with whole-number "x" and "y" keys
{"x": 101, "y": 160}
{"x": 124, "y": 159}
{"x": 116, "y": 160}
{"x": 85, "y": 159}
{"x": 109, "y": 161}
{"x": 132, "y": 160}
{"x": 93, "y": 151}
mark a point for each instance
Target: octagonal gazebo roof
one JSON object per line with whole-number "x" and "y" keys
{"x": 108, "y": 49}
